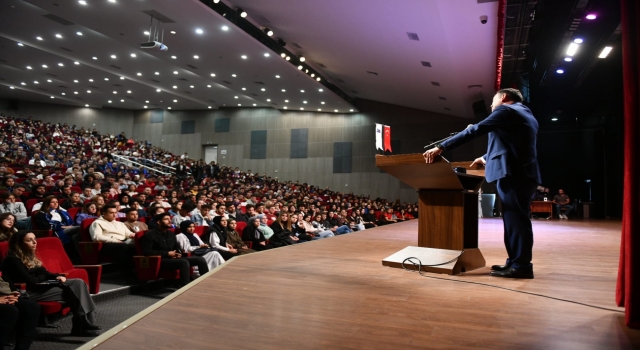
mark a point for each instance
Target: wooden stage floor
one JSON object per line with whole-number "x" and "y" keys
{"x": 335, "y": 294}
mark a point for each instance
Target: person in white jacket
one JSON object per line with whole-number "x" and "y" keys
{"x": 190, "y": 242}
{"x": 117, "y": 239}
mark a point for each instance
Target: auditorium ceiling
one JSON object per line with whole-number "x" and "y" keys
{"x": 432, "y": 55}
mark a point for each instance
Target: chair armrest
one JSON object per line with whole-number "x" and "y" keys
{"x": 147, "y": 267}
{"x": 20, "y": 285}
{"x": 95, "y": 274}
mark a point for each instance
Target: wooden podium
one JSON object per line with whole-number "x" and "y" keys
{"x": 448, "y": 213}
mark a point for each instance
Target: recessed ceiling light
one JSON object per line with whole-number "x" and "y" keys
{"x": 277, "y": 77}
{"x": 554, "y": 119}
{"x": 191, "y": 86}
{"x": 144, "y": 107}
{"x": 313, "y": 75}
{"x": 305, "y": 102}
{"x": 175, "y": 72}
{"x": 244, "y": 57}
{"x": 322, "y": 102}
{"x": 287, "y": 58}
{"x": 75, "y": 81}
{"x": 90, "y": 80}
{"x": 351, "y": 110}
{"x": 225, "y": 28}
{"x": 263, "y": 89}
{"x": 175, "y": 86}
{"x": 128, "y": 91}
{"x": 49, "y": 81}
{"x": 213, "y": 74}
{"x": 113, "y": 1}
{"x": 88, "y": 91}
{"x": 173, "y": 32}
{"x": 79, "y": 33}
{"x": 20, "y": 44}
{"x": 560, "y": 71}
{"x": 196, "y": 57}
{"x": 568, "y": 59}
{"x": 335, "y": 110}
{"x": 139, "y": 74}
{"x": 121, "y": 100}
{"x": 254, "y": 104}
{"x": 106, "y": 79}
{"x": 115, "y": 92}
{"x": 300, "y": 67}
{"x": 233, "y": 75}
{"x": 235, "y": 96}
{"x": 146, "y": 101}
{"x": 168, "y": 107}
{"x": 158, "y": 90}
{"x": 63, "y": 94}
{"x": 283, "y": 55}
{"x": 82, "y": 2}
{"x": 208, "y": 86}
{"x": 134, "y": 55}
{"x": 157, "y": 73}
{"x": 605, "y": 52}
{"x": 268, "y": 100}
{"x": 318, "y": 79}
{"x": 209, "y": 107}
{"x": 578, "y": 40}
{"x": 76, "y": 63}
{"x": 239, "y": 104}
{"x": 302, "y": 91}
{"x": 266, "y": 54}
{"x": 86, "y": 105}
{"x": 319, "y": 109}
{"x": 39, "y": 38}
{"x": 58, "y": 36}
{"x": 174, "y": 101}
{"x": 285, "y": 107}
{"x": 302, "y": 108}
{"x": 244, "y": 88}
{"x": 320, "y": 90}
{"x": 35, "y": 82}
{"x": 45, "y": 66}
{"x": 173, "y": 57}
{"x": 121, "y": 78}
{"x": 23, "y": 83}
{"x": 75, "y": 92}
{"x": 94, "y": 57}
{"x": 301, "y": 58}
{"x": 286, "y": 101}
{"x": 241, "y": 12}
{"x": 109, "y": 101}
{"x": 113, "y": 56}
{"x": 199, "y": 31}
{"x": 29, "y": 67}
{"x": 591, "y": 16}
{"x": 283, "y": 90}
{"x": 145, "y": 32}
{"x": 61, "y": 64}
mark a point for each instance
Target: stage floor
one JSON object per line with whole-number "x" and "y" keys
{"x": 335, "y": 294}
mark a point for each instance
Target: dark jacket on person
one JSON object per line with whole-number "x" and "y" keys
{"x": 158, "y": 242}
{"x": 281, "y": 235}
{"x": 254, "y": 235}
{"x": 14, "y": 271}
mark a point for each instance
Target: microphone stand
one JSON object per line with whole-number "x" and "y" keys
{"x": 439, "y": 141}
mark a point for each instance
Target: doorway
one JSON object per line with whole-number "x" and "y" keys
{"x": 211, "y": 154}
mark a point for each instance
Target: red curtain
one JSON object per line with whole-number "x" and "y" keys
{"x": 502, "y": 8}
{"x": 628, "y": 288}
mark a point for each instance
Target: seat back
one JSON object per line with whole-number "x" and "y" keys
{"x": 73, "y": 212}
{"x": 138, "y": 242}
{"x": 85, "y": 236}
{"x": 4, "y": 249}
{"x": 52, "y": 255}
{"x": 240, "y": 225}
{"x": 199, "y": 230}
{"x": 30, "y": 203}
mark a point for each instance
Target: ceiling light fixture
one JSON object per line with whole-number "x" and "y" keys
{"x": 20, "y": 44}
{"x": 318, "y": 79}
{"x": 29, "y": 67}
{"x": 174, "y": 101}
{"x": 39, "y": 38}
{"x": 302, "y": 91}
{"x": 605, "y": 52}
{"x": 301, "y": 58}
{"x": 115, "y": 92}
{"x": 61, "y": 64}
{"x": 58, "y": 36}
{"x": 335, "y": 110}
{"x": 568, "y": 59}
{"x": 263, "y": 89}
{"x": 121, "y": 78}
{"x": 233, "y": 75}
{"x": 168, "y": 107}
{"x": 173, "y": 57}
{"x": 591, "y": 16}
{"x": 244, "y": 57}
{"x": 95, "y": 58}
{"x": 284, "y": 90}
{"x": 319, "y": 109}
{"x": 82, "y": 2}
{"x": 285, "y": 107}
{"x": 146, "y": 101}
{"x": 243, "y": 89}
{"x": 572, "y": 49}
{"x": 241, "y": 12}
{"x": 157, "y": 73}
{"x": 91, "y": 80}
{"x": 35, "y": 82}
{"x": 235, "y": 96}
{"x": 106, "y": 79}
{"x": 128, "y": 91}
{"x": 109, "y": 101}
{"x": 283, "y": 55}
{"x": 75, "y": 81}
{"x": 139, "y": 74}
{"x": 554, "y": 119}
{"x": 191, "y": 86}
{"x": 144, "y": 106}
{"x": 145, "y": 32}
{"x": 88, "y": 91}
{"x": 121, "y": 100}
{"x": 86, "y": 105}
{"x": 173, "y": 32}
{"x": 286, "y": 101}
{"x": 158, "y": 90}
{"x": 76, "y": 63}
{"x": 175, "y": 86}
{"x": 302, "y": 108}
{"x": 300, "y": 67}
{"x": 23, "y": 83}
{"x": 134, "y": 55}
{"x": 351, "y": 110}
{"x": 225, "y": 28}
{"x": 209, "y": 107}
{"x": 79, "y": 33}
{"x": 560, "y": 71}
{"x": 199, "y": 31}
{"x": 322, "y": 102}
{"x": 268, "y": 31}
{"x": 113, "y": 56}
{"x": 213, "y": 74}
{"x": 175, "y": 72}
{"x": 305, "y": 102}
{"x": 268, "y": 100}
{"x": 266, "y": 54}
{"x": 208, "y": 86}
{"x": 578, "y": 40}
{"x": 196, "y": 57}
{"x": 320, "y": 90}
{"x": 277, "y": 77}
{"x": 49, "y": 81}
{"x": 254, "y": 104}
{"x": 287, "y": 58}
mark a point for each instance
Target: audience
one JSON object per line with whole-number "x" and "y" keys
{"x": 19, "y": 314}
{"x": 190, "y": 242}
{"x": 235, "y": 240}
{"x": 7, "y": 226}
{"x": 216, "y": 236}
{"x": 117, "y": 239}
{"x": 132, "y": 222}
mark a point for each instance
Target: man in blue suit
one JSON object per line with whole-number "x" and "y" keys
{"x": 511, "y": 160}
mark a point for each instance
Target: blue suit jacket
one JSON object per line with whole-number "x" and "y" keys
{"x": 511, "y": 150}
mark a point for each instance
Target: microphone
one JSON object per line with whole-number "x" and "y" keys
{"x": 446, "y": 138}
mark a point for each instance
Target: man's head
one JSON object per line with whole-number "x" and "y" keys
{"x": 109, "y": 212}
{"x": 163, "y": 220}
{"x": 186, "y": 209}
{"x": 506, "y": 96}
{"x": 561, "y": 191}
{"x": 131, "y": 215}
{"x": 220, "y": 209}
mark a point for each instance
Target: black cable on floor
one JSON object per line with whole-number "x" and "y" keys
{"x": 419, "y": 264}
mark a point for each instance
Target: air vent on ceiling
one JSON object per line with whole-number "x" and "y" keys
{"x": 425, "y": 63}
{"x": 354, "y": 91}
{"x": 435, "y": 83}
{"x": 118, "y": 85}
{"x": 296, "y": 45}
{"x": 254, "y": 95}
{"x": 114, "y": 66}
{"x": 372, "y": 73}
{"x": 442, "y": 98}
{"x": 52, "y": 75}
{"x": 183, "y": 79}
{"x": 159, "y": 16}
{"x": 322, "y": 65}
{"x": 155, "y": 81}
{"x": 413, "y": 36}
{"x": 62, "y": 86}
{"x": 94, "y": 87}
{"x": 192, "y": 67}
{"x": 340, "y": 81}
{"x": 58, "y": 19}
{"x": 226, "y": 82}
{"x": 258, "y": 82}
{"x": 447, "y": 109}
{"x": 187, "y": 92}
{"x": 64, "y": 48}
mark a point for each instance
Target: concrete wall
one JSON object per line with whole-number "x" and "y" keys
{"x": 105, "y": 120}
{"x": 412, "y": 128}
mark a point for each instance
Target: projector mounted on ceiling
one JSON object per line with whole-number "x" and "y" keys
{"x": 156, "y": 35}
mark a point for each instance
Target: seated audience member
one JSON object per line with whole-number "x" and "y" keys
{"x": 221, "y": 211}
{"x": 153, "y": 212}
{"x": 314, "y": 228}
{"x": 39, "y": 192}
{"x": 387, "y": 217}
{"x": 22, "y": 265}
{"x": 31, "y": 183}
{"x": 264, "y": 226}
{"x": 252, "y": 233}
{"x": 216, "y": 237}
{"x": 175, "y": 208}
{"x": 161, "y": 241}
{"x": 338, "y": 230}
{"x": 197, "y": 217}
{"x": 99, "y": 201}
{"x": 18, "y": 192}
{"x": 190, "y": 242}
{"x": 234, "y": 213}
{"x": 50, "y": 216}
{"x": 159, "y": 199}
{"x": 19, "y": 316}
{"x": 135, "y": 204}
{"x": 235, "y": 240}
{"x": 562, "y": 202}
{"x": 7, "y": 226}
{"x": 86, "y": 194}
{"x": 282, "y": 235}
{"x": 88, "y": 211}
{"x": 7, "y": 184}
{"x": 132, "y": 222}
{"x": 207, "y": 214}
{"x": 125, "y": 201}
{"x": 120, "y": 213}
{"x": 9, "y": 205}
{"x": 74, "y": 201}
{"x": 369, "y": 219}
{"x": 160, "y": 186}
{"x": 298, "y": 229}
{"x": 183, "y": 214}
{"x": 116, "y": 238}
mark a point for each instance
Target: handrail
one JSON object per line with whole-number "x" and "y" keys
{"x": 153, "y": 161}
{"x": 127, "y": 160}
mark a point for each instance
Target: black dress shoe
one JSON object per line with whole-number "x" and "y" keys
{"x": 513, "y": 273}
{"x": 500, "y": 267}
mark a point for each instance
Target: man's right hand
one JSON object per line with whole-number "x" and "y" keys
{"x": 173, "y": 254}
{"x": 479, "y": 161}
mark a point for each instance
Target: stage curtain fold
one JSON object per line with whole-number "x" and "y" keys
{"x": 628, "y": 287}
{"x": 502, "y": 10}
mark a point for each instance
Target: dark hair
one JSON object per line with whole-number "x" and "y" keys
{"x": 513, "y": 94}
{"x": 188, "y": 207}
{"x": 159, "y": 217}
{"x": 46, "y": 202}
{"x": 106, "y": 208}
{"x": 5, "y": 195}
{"x": 20, "y": 186}
{"x": 128, "y": 210}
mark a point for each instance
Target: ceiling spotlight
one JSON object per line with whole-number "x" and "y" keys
{"x": 213, "y": 74}
{"x": 244, "y": 57}
{"x": 121, "y": 78}
{"x": 322, "y": 102}
{"x": 139, "y": 74}
{"x": 158, "y": 90}
{"x": 572, "y": 49}
{"x": 277, "y": 77}
{"x": 23, "y": 83}
{"x": 286, "y": 101}
{"x": 146, "y": 101}
{"x": 115, "y": 92}
{"x": 263, "y": 89}
{"x": 20, "y": 44}
{"x": 63, "y": 94}
{"x": 121, "y": 100}
{"x": 88, "y": 91}
{"x": 568, "y": 59}
{"x": 239, "y": 104}
{"x": 318, "y": 79}
{"x": 128, "y": 91}
{"x": 591, "y": 16}
{"x": 305, "y": 102}
{"x": 133, "y": 55}
{"x": 144, "y": 106}
{"x": 241, "y": 12}
{"x": 302, "y": 108}
{"x": 266, "y": 54}
{"x": 225, "y": 28}
{"x": 35, "y": 82}
{"x": 173, "y": 57}
{"x": 82, "y": 2}
{"x": 49, "y": 81}
{"x": 86, "y": 105}
{"x": 268, "y": 31}
{"x": 79, "y": 33}
{"x": 191, "y": 86}
{"x": 254, "y": 104}
{"x": 112, "y": 1}
{"x": 146, "y": 32}
{"x": 605, "y": 52}
{"x": 300, "y": 67}
{"x": 208, "y": 86}
{"x": 306, "y": 71}
{"x": 75, "y": 92}
{"x": 268, "y": 100}
{"x": 58, "y": 36}
{"x": 320, "y": 90}
{"x": 560, "y": 71}
{"x": 285, "y": 107}
{"x": 174, "y": 101}
{"x": 313, "y": 75}
{"x": 61, "y": 64}
{"x": 39, "y": 38}
{"x": 209, "y": 107}
{"x": 175, "y": 72}
{"x": 301, "y": 58}
{"x": 235, "y": 96}
{"x": 113, "y": 56}
{"x": 283, "y": 55}
{"x": 199, "y": 31}
{"x": 29, "y": 67}
{"x": 244, "y": 88}
{"x": 554, "y": 119}
{"x": 284, "y": 90}
{"x": 95, "y": 58}
{"x": 168, "y": 107}
{"x": 106, "y": 79}
{"x": 302, "y": 91}
{"x": 351, "y": 110}
{"x": 76, "y": 63}
{"x": 157, "y": 73}
{"x": 319, "y": 109}
{"x": 287, "y": 58}
{"x": 109, "y": 101}
{"x": 233, "y": 75}
{"x": 578, "y": 40}
{"x": 196, "y": 57}
{"x": 75, "y": 81}
{"x": 335, "y": 110}
{"x": 91, "y": 80}
{"x": 173, "y": 32}
{"x": 175, "y": 86}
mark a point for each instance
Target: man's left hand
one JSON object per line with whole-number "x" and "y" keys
{"x": 430, "y": 155}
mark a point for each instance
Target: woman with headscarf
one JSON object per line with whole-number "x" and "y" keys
{"x": 233, "y": 238}
{"x": 252, "y": 234}
{"x": 216, "y": 235}
{"x": 190, "y": 242}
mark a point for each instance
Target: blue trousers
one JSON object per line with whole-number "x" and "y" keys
{"x": 343, "y": 229}
{"x": 567, "y": 209}
{"x": 516, "y": 195}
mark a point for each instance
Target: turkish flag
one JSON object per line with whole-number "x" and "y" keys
{"x": 386, "y": 130}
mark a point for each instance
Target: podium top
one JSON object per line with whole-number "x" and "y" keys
{"x": 415, "y": 172}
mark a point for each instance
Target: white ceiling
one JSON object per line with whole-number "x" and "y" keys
{"x": 348, "y": 37}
